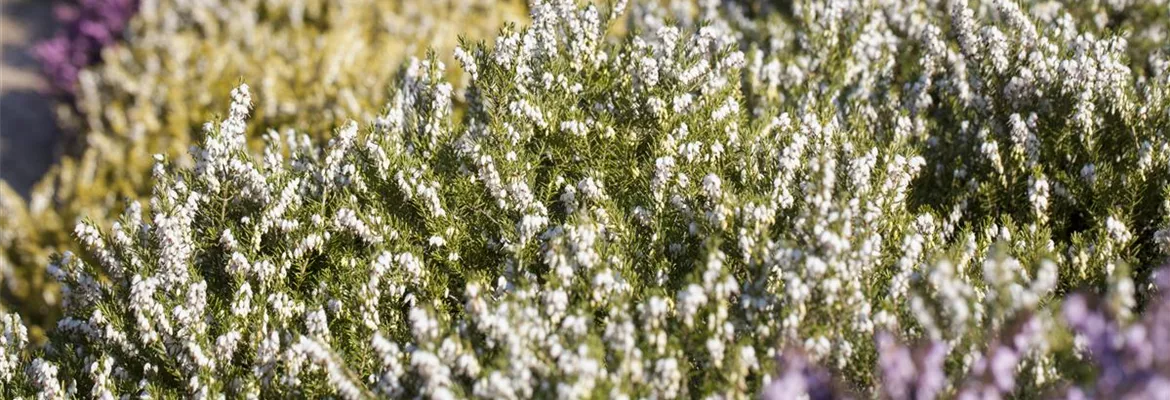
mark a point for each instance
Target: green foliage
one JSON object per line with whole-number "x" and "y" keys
{"x": 657, "y": 211}
{"x": 316, "y": 64}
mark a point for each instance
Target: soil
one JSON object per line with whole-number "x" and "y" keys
{"x": 28, "y": 130}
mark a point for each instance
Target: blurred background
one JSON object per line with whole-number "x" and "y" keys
{"x": 28, "y": 132}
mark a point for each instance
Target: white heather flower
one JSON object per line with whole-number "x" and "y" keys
{"x": 682, "y": 103}
{"x": 1162, "y": 239}
{"x": 311, "y": 242}
{"x": 690, "y": 300}
{"x": 238, "y": 265}
{"x": 1117, "y": 230}
{"x": 389, "y": 383}
{"x": 523, "y": 109}
{"x": 657, "y": 107}
{"x": 694, "y": 73}
{"x": 100, "y": 370}
{"x": 436, "y": 377}
{"x": 284, "y": 306}
{"x": 317, "y": 325}
{"x": 225, "y": 346}
{"x": 412, "y": 265}
{"x": 346, "y": 219}
{"x": 590, "y": 189}
{"x": 43, "y": 375}
{"x": 690, "y": 151}
{"x": 228, "y": 240}
{"x": 667, "y": 379}
{"x": 467, "y": 61}
{"x": 147, "y": 312}
{"x": 339, "y": 377}
{"x": 529, "y": 226}
{"x": 818, "y": 347}
{"x": 729, "y": 107}
{"x": 648, "y": 71}
{"x": 90, "y": 237}
{"x": 575, "y": 128}
{"x": 13, "y": 340}
{"x": 1089, "y": 173}
{"x": 990, "y": 150}
{"x": 712, "y": 187}
{"x": 734, "y": 60}
{"x": 1038, "y": 196}
{"x": 997, "y": 48}
{"x": 663, "y": 171}
{"x": 425, "y": 328}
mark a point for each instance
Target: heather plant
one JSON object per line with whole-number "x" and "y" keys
{"x": 314, "y": 63}
{"x": 88, "y": 26}
{"x": 1124, "y": 360}
{"x": 1131, "y": 360}
{"x": 752, "y": 200}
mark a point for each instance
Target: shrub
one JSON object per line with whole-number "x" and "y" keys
{"x": 316, "y": 64}
{"x": 90, "y": 25}
{"x": 656, "y": 215}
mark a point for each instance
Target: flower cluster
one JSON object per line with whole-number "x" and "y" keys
{"x": 89, "y": 26}
{"x": 742, "y": 200}
{"x": 1127, "y": 361}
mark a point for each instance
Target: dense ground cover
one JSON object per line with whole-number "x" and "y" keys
{"x": 711, "y": 201}
{"x": 316, "y": 64}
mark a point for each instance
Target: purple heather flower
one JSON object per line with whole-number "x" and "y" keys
{"x": 910, "y": 374}
{"x": 800, "y": 376}
{"x": 87, "y": 27}
{"x": 1002, "y": 365}
{"x": 993, "y": 376}
{"x": 1132, "y": 361}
